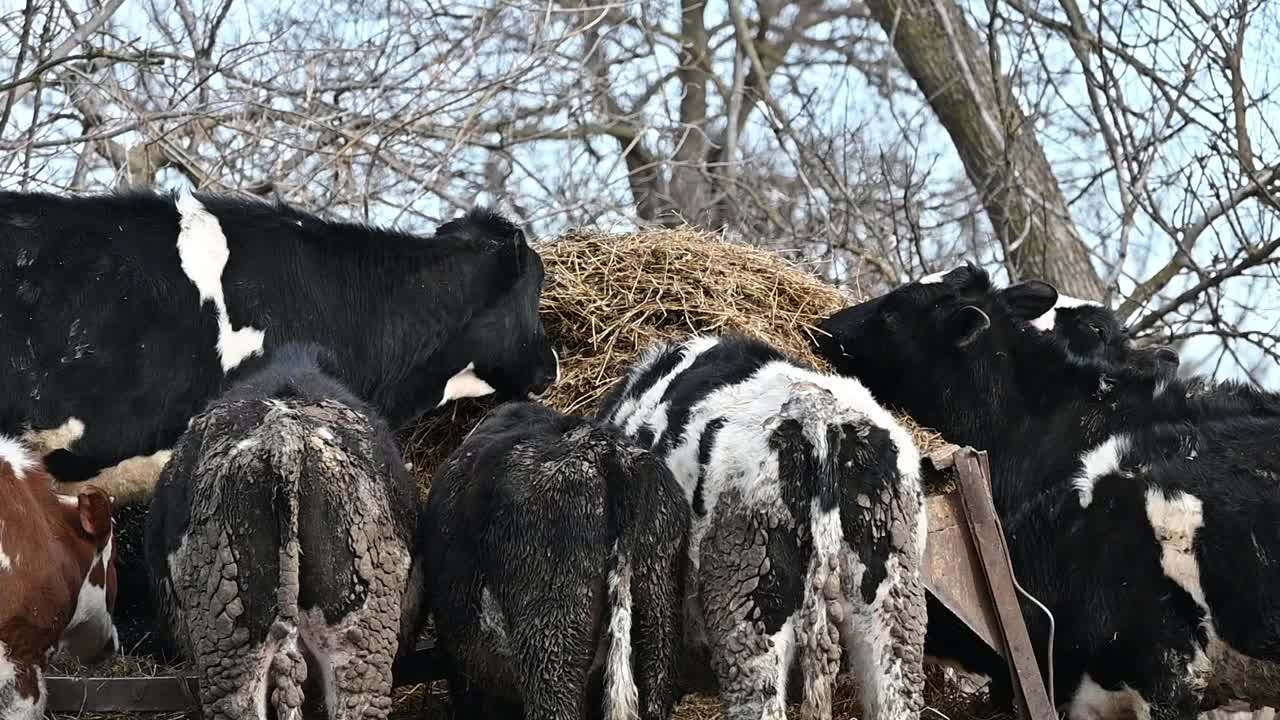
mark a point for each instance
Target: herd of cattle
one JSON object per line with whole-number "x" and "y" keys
{"x": 237, "y": 369}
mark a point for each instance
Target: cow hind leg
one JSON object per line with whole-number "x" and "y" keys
{"x": 552, "y": 652}
{"x": 22, "y": 689}
{"x": 750, "y": 581}
{"x": 657, "y": 593}
{"x": 354, "y": 659}
{"x": 234, "y": 685}
{"x": 885, "y": 638}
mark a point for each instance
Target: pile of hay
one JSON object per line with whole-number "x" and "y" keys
{"x": 608, "y": 297}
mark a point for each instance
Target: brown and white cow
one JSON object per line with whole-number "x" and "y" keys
{"x": 57, "y": 578}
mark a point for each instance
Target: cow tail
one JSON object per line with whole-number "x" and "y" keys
{"x": 288, "y": 668}
{"x": 820, "y": 646}
{"x": 622, "y": 699}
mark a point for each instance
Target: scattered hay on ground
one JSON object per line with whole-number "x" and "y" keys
{"x": 608, "y": 297}
{"x": 943, "y": 701}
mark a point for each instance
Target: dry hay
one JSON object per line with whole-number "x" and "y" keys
{"x": 943, "y": 701}
{"x": 1237, "y": 676}
{"x": 608, "y": 297}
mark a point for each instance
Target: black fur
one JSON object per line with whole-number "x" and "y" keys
{"x": 533, "y": 511}
{"x": 1038, "y": 401}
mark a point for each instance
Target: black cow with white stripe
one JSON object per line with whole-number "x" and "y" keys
{"x": 555, "y": 557}
{"x": 808, "y": 523}
{"x": 123, "y": 315}
{"x": 1140, "y": 511}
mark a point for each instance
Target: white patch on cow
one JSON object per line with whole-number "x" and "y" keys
{"x": 6, "y": 563}
{"x": 90, "y": 628}
{"x": 933, "y": 278}
{"x": 622, "y": 699}
{"x": 465, "y": 384}
{"x": 636, "y": 411}
{"x": 1175, "y": 520}
{"x": 245, "y": 444}
{"x": 203, "y": 251}
{"x": 330, "y": 648}
{"x": 779, "y": 659}
{"x": 15, "y": 454}
{"x": 19, "y": 707}
{"x": 1047, "y": 321}
{"x": 1098, "y": 462}
{"x": 128, "y": 481}
{"x": 62, "y": 437}
{"x": 493, "y": 624}
{"x": 1093, "y": 702}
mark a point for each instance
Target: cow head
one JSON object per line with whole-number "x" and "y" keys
{"x": 504, "y": 347}
{"x": 91, "y": 633}
{"x": 936, "y": 347}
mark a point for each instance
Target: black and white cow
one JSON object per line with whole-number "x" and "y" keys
{"x": 121, "y": 316}
{"x": 555, "y": 570}
{"x": 1122, "y": 493}
{"x": 808, "y": 522}
{"x": 282, "y": 543}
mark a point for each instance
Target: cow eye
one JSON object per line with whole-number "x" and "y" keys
{"x": 1096, "y": 330}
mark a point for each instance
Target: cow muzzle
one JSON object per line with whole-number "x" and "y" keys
{"x": 545, "y": 389}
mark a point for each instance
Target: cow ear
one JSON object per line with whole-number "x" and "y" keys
{"x": 95, "y": 514}
{"x": 966, "y": 325}
{"x": 1030, "y": 299}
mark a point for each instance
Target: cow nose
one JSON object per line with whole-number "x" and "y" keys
{"x": 546, "y": 379}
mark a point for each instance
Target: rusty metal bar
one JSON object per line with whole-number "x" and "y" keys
{"x": 973, "y": 483}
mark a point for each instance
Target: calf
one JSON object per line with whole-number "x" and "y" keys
{"x": 57, "y": 578}
{"x": 282, "y": 546}
{"x": 555, "y": 563}
{"x": 1090, "y": 333}
{"x": 808, "y": 522}
{"x": 1116, "y": 485}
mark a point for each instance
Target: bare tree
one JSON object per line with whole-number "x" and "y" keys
{"x": 1150, "y": 112}
{"x": 1119, "y": 150}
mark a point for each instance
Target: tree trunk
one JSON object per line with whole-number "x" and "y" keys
{"x": 996, "y": 143}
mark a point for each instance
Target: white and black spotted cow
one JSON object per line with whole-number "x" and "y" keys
{"x": 122, "y": 315}
{"x": 556, "y": 551}
{"x": 1142, "y": 513}
{"x": 283, "y": 547}
{"x": 808, "y": 522}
